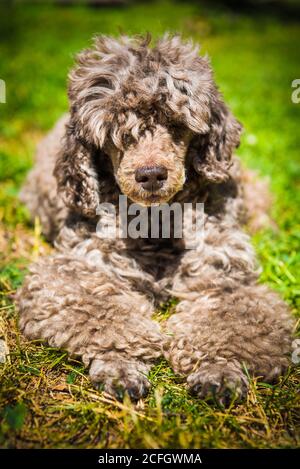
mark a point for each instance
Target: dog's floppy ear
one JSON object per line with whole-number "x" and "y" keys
{"x": 77, "y": 180}
{"x": 212, "y": 151}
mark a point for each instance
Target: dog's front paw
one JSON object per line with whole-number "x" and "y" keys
{"x": 120, "y": 376}
{"x": 224, "y": 382}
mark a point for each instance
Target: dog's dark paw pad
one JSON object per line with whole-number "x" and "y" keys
{"x": 125, "y": 378}
{"x": 219, "y": 384}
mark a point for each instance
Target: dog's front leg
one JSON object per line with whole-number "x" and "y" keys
{"x": 95, "y": 315}
{"x": 225, "y": 322}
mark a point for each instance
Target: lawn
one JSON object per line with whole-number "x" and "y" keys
{"x": 46, "y": 399}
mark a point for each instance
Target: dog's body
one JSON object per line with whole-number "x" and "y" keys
{"x": 150, "y": 124}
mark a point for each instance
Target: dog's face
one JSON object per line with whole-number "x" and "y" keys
{"x": 152, "y": 170}
{"x": 155, "y": 112}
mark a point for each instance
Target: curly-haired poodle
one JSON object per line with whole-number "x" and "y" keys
{"x": 150, "y": 123}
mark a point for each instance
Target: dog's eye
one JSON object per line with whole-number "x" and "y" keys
{"x": 177, "y": 131}
{"x": 176, "y": 128}
{"x": 128, "y": 139}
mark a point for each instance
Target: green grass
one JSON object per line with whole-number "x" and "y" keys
{"x": 46, "y": 399}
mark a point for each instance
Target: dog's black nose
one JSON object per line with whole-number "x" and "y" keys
{"x": 151, "y": 178}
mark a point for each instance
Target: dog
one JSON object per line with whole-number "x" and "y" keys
{"x": 149, "y": 123}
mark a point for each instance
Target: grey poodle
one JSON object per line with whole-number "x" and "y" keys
{"x": 150, "y": 123}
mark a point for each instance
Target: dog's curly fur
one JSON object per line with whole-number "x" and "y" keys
{"x": 130, "y": 106}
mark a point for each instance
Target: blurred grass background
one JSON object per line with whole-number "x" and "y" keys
{"x": 45, "y": 397}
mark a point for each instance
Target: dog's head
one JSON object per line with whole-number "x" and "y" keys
{"x": 152, "y": 115}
